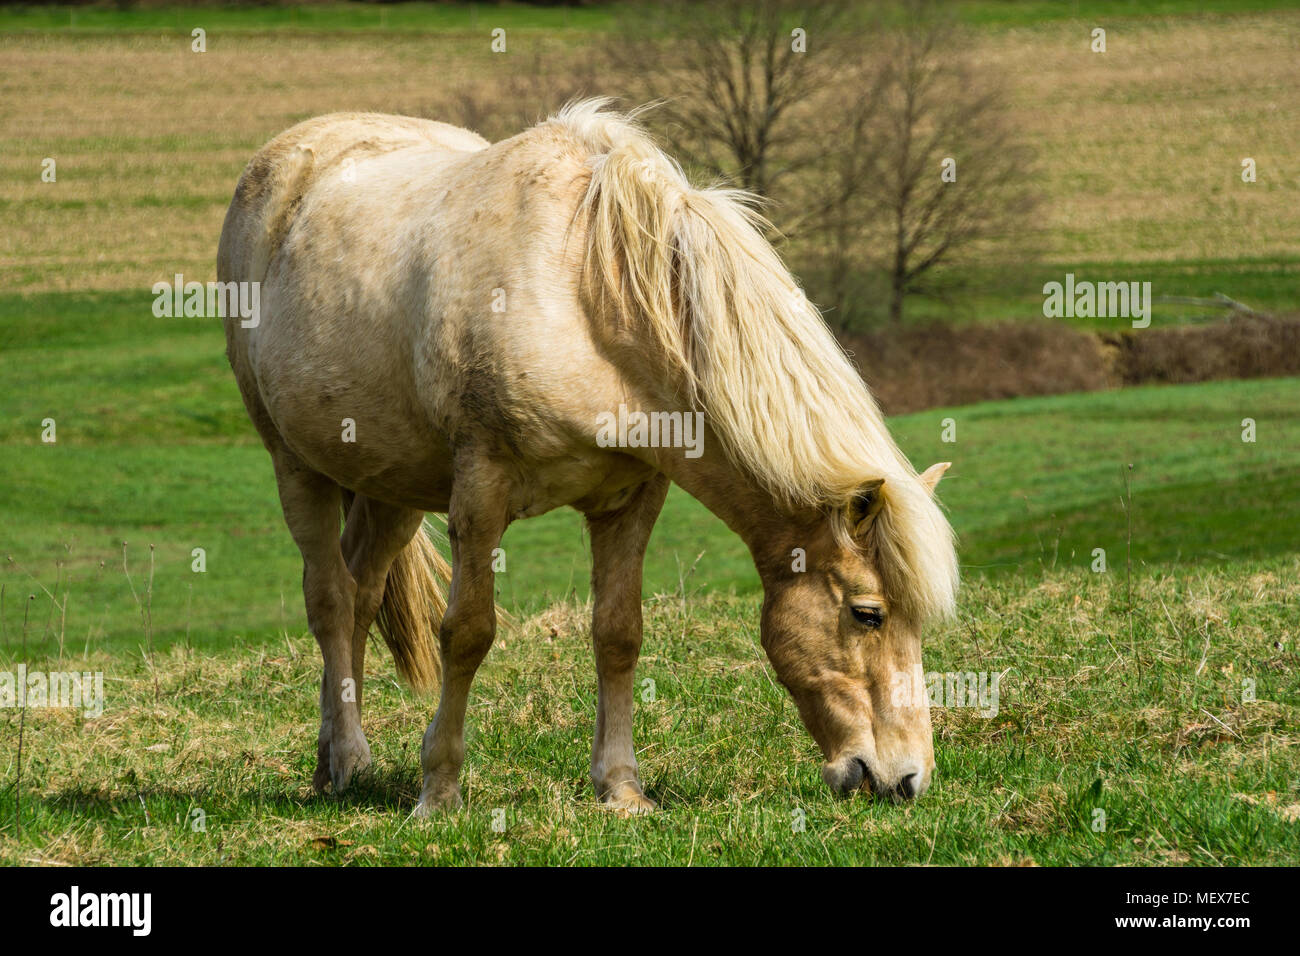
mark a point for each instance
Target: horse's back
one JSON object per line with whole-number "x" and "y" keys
{"x": 283, "y": 171}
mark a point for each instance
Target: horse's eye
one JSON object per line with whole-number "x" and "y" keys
{"x": 871, "y": 617}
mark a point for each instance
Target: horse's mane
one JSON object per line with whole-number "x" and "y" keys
{"x": 691, "y": 268}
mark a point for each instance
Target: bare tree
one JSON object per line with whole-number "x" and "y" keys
{"x": 513, "y": 92}
{"x": 840, "y": 115}
{"x": 943, "y": 167}
{"x": 742, "y": 86}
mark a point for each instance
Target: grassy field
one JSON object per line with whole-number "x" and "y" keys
{"x": 211, "y": 696}
{"x": 1170, "y": 714}
{"x": 464, "y": 17}
{"x": 154, "y": 449}
{"x": 1162, "y": 736}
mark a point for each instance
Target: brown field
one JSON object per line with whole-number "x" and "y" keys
{"x": 1139, "y": 149}
{"x": 1141, "y": 146}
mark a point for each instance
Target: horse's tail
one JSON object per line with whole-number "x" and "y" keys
{"x": 412, "y": 608}
{"x": 411, "y": 613}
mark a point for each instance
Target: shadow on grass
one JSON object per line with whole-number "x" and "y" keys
{"x": 384, "y": 789}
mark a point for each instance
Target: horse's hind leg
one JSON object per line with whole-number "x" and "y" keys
{"x": 373, "y": 537}
{"x": 477, "y": 517}
{"x": 618, "y": 543}
{"x": 311, "y": 504}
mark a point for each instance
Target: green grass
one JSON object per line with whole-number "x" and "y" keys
{"x": 1154, "y": 731}
{"x": 466, "y": 17}
{"x": 1015, "y": 292}
{"x": 211, "y": 703}
{"x": 154, "y": 449}
{"x": 313, "y": 18}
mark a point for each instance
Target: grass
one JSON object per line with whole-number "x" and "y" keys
{"x": 419, "y": 18}
{"x": 463, "y": 17}
{"x": 211, "y": 693}
{"x": 204, "y": 758}
{"x": 971, "y": 293}
{"x": 154, "y": 450}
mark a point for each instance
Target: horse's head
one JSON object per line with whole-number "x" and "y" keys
{"x": 852, "y": 659}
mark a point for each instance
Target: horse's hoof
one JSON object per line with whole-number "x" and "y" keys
{"x": 626, "y": 799}
{"x": 320, "y": 780}
{"x": 349, "y": 756}
{"x": 438, "y": 799}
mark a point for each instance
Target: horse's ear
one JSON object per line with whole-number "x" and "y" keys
{"x": 865, "y": 505}
{"x": 930, "y": 477}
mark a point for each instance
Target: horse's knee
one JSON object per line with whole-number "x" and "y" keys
{"x": 465, "y": 643}
{"x": 618, "y": 651}
{"x": 616, "y": 631}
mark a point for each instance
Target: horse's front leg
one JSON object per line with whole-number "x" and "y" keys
{"x": 618, "y": 543}
{"x": 476, "y": 520}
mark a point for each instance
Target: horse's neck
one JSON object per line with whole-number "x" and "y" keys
{"x": 768, "y": 530}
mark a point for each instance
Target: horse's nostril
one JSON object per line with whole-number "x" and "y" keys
{"x": 865, "y": 777}
{"x": 909, "y": 785}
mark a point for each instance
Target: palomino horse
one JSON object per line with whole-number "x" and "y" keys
{"x": 444, "y": 326}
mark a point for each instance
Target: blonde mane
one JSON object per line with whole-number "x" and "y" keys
{"x": 691, "y": 268}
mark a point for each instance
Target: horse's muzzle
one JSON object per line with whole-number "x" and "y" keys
{"x": 850, "y": 775}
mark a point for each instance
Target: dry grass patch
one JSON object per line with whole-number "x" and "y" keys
{"x": 1183, "y": 767}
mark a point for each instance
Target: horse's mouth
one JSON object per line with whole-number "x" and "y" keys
{"x": 871, "y": 784}
{"x": 853, "y": 774}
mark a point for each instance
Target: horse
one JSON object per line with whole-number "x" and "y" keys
{"x": 447, "y": 325}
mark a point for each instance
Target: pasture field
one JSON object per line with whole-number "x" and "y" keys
{"x": 211, "y": 704}
{"x": 1147, "y": 712}
{"x": 154, "y": 449}
{"x": 1119, "y": 739}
